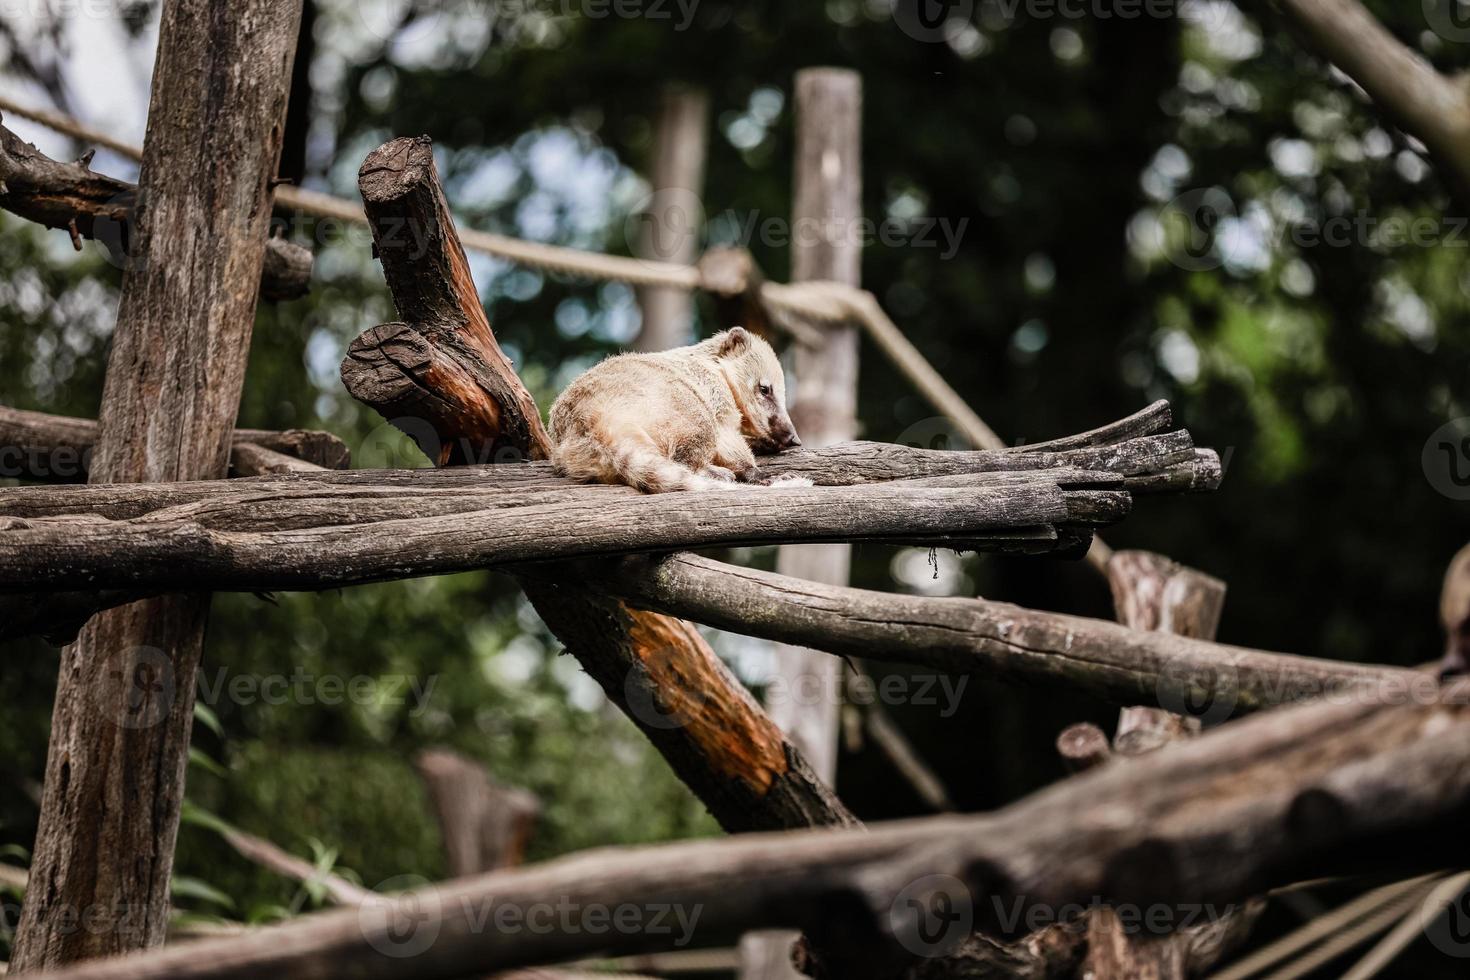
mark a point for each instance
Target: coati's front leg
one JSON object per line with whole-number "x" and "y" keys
{"x": 733, "y": 453}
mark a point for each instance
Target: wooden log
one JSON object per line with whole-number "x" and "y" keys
{"x": 826, "y": 207}
{"x": 674, "y": 219}
{"x": 1153, "y": 594}
{"x": 55, "y": 448}
{"x": 269, "y": 546}
{"x": 658, "y": 670}
{"x": 485, "y": 826}
{"x": 996, "y": 640}
{"x": 86, "y": 204}
{"x": 125, "y": 691}
{"x": 1171, "y": 837}
{"x": 1083, "y": 746}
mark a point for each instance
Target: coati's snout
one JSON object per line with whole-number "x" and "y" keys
{"x": 759, "y": 386}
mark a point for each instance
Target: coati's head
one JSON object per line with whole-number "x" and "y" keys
{"x": 1454, "y": 614}
{"x": 755, "y": 378}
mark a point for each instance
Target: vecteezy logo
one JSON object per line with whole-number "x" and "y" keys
{"x": 1190, "y": 226}
{"x": 665, "y": 225}
{"x": 1450, "y": 19}
{"x": 1448, "y": 927}
{"x": 402, "y": 925}
{"x": 1446, "y": 459}
{"x": 933, "y": 915}
{"x": 932, "y": 21}
{"x": 1208, "y": 693}
{"x": 641, "y": 694}
{"x": 385, "y": 448}
{"x": 136, "y": 687}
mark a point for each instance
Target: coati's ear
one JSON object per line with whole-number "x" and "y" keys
{"x": 734, "y": 341}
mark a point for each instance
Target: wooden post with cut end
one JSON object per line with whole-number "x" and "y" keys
{"x": 486, "y": 826}
{"x": 1152, "y": 593}
{"x": 658, "y": 670}
{"x": 125, "y": 693}
{"x": 824, "y": 215}
{"x": 673, "y": 221}
{"x": 828, "y": 204}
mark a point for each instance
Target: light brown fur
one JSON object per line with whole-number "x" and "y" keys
{"x": 684, "y": 419}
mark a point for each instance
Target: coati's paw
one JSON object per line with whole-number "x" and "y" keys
{"x": 714, "y": 483}
{"x": 715, "y": 472}
{"x": 787, "y": 480}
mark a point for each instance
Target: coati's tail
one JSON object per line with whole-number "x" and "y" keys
{"x": 631, "y": 459}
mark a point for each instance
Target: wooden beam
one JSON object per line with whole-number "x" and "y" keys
{"x": 1173, "y": 835}
{"x": 1151, "y": 593}
{"x": 658, "y": 670}
{"x": 319, "y": 542}
{"x": 995, "y": 640}
{"x": 125, "y": 692}
{"x": 58, "y": 449}
{"x": 824, "y": 213}
{"x": 86, "y": 204}
{"x": 674, "y": 219}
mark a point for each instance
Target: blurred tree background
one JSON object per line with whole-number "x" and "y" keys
{"x": 1060, "y": 147}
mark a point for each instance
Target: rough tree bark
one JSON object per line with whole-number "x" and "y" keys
{"x": 87, "y": 204}
{"x": 125, "y": 694}
{"x": 453, "y": 388}
{"x": 323, "y": 541}
{"x": 673, "y": 221}
{"x": 1286, "y": 795}
{"x": 1153, "y": 594}
{"x": 55, "y": 448}
{"x": 995, "y": 640}
{"x": 825, "y": 212}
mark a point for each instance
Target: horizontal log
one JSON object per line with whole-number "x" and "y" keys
{"x": 56, "y": 448}
{"x": 1170, "y": 839}
{"x": 995, "y": 640}
{"x": 86, "y": 204}
{"x": 854, "y": 463}
{"x": 177, "y": 549}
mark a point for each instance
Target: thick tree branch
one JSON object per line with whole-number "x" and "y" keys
{"x": 86, "y": 204}
{"x": 1169, "y": 837}
{"x": 308, "y": 543}
{"x": 55, "y": 448}
{"x": 996, "y": 640}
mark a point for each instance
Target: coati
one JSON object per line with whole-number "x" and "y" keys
{"x": 691, "y": 418}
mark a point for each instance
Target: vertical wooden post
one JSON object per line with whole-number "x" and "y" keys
{"x": 125, "y": 695}
{"x": 675, "y": 214}
{"x": 1150, "y": 592}
{"x": 824, "y": 245}
{"x": 485, "y": 825}
{"x": 826, "y": 210}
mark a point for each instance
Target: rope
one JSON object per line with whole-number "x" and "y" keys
{"x": 1365, "y": 907}
{"x": 824, "y": 303}
{"x": 1410, "y": 928}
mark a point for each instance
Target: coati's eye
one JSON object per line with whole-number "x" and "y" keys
{"x": 764, "y": 388}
